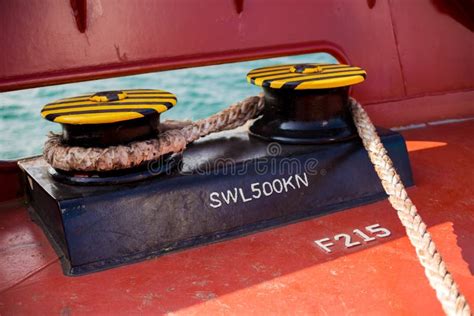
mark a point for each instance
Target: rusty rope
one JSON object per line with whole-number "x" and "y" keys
{"x": 174, "y": 138}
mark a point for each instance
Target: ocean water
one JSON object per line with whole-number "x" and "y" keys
{"x": 201, "y": 91}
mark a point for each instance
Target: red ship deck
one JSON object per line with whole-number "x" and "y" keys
{"x": 278, "y": 271}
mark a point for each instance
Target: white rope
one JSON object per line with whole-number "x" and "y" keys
{"x": 452, "y": 301}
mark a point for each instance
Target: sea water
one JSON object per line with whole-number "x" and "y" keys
{"x": 201, "y": 91}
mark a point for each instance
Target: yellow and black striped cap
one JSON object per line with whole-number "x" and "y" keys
{"x": 109, "y": 106}
{"x": 306, "y": 76}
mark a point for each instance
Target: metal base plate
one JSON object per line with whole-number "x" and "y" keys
{"x": 227, "y": 185}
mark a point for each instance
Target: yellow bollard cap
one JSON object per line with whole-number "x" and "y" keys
{"x": 306, "y": 76}
{"x": 109, "y": 107}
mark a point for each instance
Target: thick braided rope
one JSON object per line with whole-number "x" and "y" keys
{"x": 452, "y": 301}
{"x": 174, "y": 138}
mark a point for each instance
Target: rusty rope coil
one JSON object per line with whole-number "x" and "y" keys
{"x": 175, "y": 136}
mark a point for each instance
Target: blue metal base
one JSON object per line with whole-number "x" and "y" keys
{"x": 226, "y": 186}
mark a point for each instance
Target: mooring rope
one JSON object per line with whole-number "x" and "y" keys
{"x": 174, "y": 138}
{"x": 447, "y": 291}
{"x": 176, "y": 135}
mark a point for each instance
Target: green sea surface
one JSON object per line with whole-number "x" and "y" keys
{"x": 201, "y": 91}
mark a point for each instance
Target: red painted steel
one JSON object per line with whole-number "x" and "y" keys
{"x": 45, "y": 46}
{"x": 279, "y": 271}
{"x": 436, "y": 50}
{"x": 409, "y": 48}
{"x": 10, "y": 181}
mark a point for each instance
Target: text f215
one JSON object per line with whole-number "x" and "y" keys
{"x": 358, "y": 237}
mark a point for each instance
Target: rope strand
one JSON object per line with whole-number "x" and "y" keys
{"x": 452, "y": 301}
{"x": 174, "y": 138}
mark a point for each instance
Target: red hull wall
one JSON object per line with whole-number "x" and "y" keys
{"x": 409, "y": 48}
{"x": 418, "y": 54}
